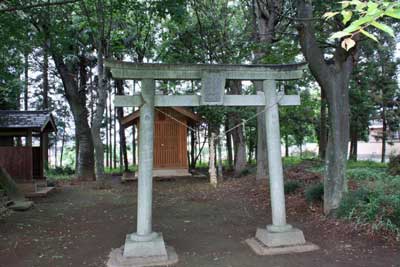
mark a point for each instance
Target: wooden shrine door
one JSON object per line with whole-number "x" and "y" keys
{"x": 168, "y": 143}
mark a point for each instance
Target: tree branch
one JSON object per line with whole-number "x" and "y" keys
{"x": 24, "y": 7}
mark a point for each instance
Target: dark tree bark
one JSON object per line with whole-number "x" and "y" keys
{"x": 26, "y": 80}
{"x": 353, "y": 143}
{"x": 107, "y": 146}
{"x": 45, "y": 95}
{"x": 266, "y": 17}
{"x": 76, "y": 97}
{"x": 384, "y": 133}
{"x": 229, "y": 145}
{"x": 192, "y": 156}
{"x": 323, "y": 131}
{"x": 334, "y": 80}
{"x": 62, "y": 147}
{"x": 286, "y": 145}
{"x": 133, "y": 145}
{"x": 262, "y": 155}
{"x": 134, "y": 133}
{"x": 237, "y": 134}
{"x": 114, "y": 128}
{"x": 122, "y": 139}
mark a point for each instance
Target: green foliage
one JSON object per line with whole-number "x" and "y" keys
{"x": 314, "y": 193}
{"x": 360, "y": 174}
{"x": 58, "y": 173}
{"x": 394, "y": 165}
{"x": 365, "y": 164}
{"x": 364, "y": 15}
{"x": 298, "y": 122}
{"x": 291, "y": 161}
{"x": 118, "y": 171}
{"x": 376, "y": 201}
{"x": 372, "y": 205}
{"x": 291, "y": 186}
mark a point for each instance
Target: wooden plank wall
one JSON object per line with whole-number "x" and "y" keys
{"x": 17, "y": 161}
{"x": 170, "y": 141}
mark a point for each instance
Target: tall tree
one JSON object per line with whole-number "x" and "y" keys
{"x": 333, "y": 76}
{"x": 266, "y": 17}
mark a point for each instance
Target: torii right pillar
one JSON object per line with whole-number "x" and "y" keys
{"x": 278, "y": 237}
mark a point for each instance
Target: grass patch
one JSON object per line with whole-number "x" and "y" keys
{"x": 58, "y": 173}
{"x": 291, "y": 161}
{"x": 365, "y": 164}
{"x": 118, "y": 171}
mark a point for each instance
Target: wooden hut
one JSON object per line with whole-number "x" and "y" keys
{"x": 23, "y": 161}
{"x": 170, "y": 139}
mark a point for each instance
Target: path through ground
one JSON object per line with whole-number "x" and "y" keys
{"x": 78, "y": 226}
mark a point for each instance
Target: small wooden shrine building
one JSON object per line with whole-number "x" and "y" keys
{"x": 23, "y": 161}
{"x": 170, "y": 139}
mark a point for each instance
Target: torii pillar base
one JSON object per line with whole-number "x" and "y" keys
{"x": 150, "y": 251}
{"x": 275, "y": 241}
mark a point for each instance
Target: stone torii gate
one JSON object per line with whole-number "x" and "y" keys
{"x": 147, "y": 248}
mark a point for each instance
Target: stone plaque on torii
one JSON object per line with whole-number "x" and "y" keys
{"x": 147, "y": 248}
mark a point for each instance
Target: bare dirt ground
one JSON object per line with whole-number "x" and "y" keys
{"x": 79, "y": 225}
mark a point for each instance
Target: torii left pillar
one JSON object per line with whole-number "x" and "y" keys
{"x": 145, "y": 247}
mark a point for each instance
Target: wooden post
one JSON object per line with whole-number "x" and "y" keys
{"x": 29, "y": 138}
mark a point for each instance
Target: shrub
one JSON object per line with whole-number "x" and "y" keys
{"x": 291, "y": 186}
{"x": 61, "y": 171}
{"x": 394, "y": 165}
{"x": 351, "y": 200}
{"x": 375, "y": 206}
{"x": 365, "y": 164}
{"x": 245, "y": 172}
{"x": 360, "y": 174}
{"x": 315, "y": 193}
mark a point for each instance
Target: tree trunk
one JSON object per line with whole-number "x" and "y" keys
{"x": 114, "y": 128}
{"x": 122, "y": 139}
{"x": 26, "y": 80}
{"x": 286, "y": 145}
{"x": 237, "y": 134}
{"x": 45, "y": 69}
{"x": 262, "y": 155}
{"x": 384, "y": 134}
{"x": 335, "y": 178}
{"x": 133, "y": 132}
{"x": 323, "y": 131}
{"x": 334, "y": 80}
{"x": 107, "y": 147}
{"x": 265, "y": 20}
{"x": 192, "y": 149}
{"x": 212, "y": 170}
{"x": 101, "y": 102}
{"x": 76, "y": 97}
{"x": 229, "y": 146}
{"x": 353, "y": 143}
{"x": 62, "y": 148}
{"x": 133, "y": 145}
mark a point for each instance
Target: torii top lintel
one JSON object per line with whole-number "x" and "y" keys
{"x": 213, "y": 78}
{"x": 134, "y": 71}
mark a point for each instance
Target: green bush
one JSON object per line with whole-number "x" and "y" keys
{"x": 351, "y": 164}
{"x": 245, "y": 172}
{"x": 376, "y": 206}
{"x": 61, "y": 171}
{"x": 394, "y": 165}
{"x": 315, "y": 193}
{"x": 291, "y": 161}
{"x": 366, "y": 173}
{"x": 291, "y": 186}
